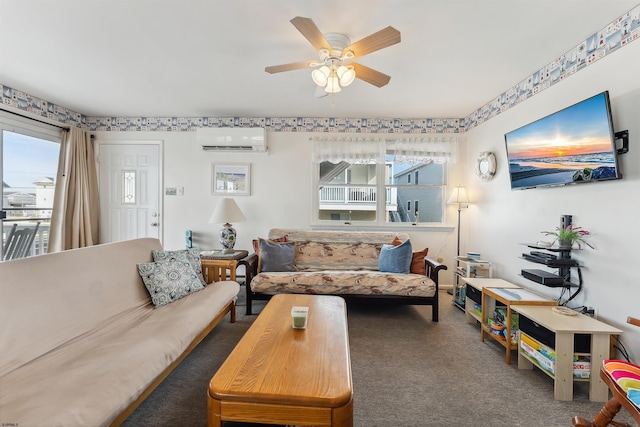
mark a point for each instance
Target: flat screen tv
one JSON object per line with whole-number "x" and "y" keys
{"x": 574, "y": 145}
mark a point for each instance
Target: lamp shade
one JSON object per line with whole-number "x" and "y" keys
{"x": 227, "y": 211}
{"x": 320, "y": 75}
{"x": 459, "y": 196}
{"x": 333, "y": 85}
{"x": 346, "y": 75}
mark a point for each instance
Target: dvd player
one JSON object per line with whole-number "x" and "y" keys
{"x": 549, "y": 259}
{"x": 543, "y": 277}
{"x": 534, "y": 258}
{"x": 545, "y": 255}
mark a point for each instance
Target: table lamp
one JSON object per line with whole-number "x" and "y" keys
{"x": 227, "y": 212}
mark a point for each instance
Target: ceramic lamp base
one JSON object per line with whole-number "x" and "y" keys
{"x": 227, "y": 236}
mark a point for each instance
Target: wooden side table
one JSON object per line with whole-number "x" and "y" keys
{"x": 509, "y": 297}
{"x": 216, "y": 263}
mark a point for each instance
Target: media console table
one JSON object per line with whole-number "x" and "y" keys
{"x": 565, "y": 329}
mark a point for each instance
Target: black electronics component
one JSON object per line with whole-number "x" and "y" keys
{"x": 549, "y": 259}
{"x": 543, "y": 277}
{"x": 561, "y": 262}
{"x": 534, "y": 258}
{"x": 545, "y": 255}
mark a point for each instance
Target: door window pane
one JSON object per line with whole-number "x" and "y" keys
{"x": 128, "y": 187}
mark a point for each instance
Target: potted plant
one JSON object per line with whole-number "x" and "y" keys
{"x": 568, "y": 236}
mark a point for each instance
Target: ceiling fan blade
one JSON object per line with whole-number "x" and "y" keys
{"x": 311, "y": 32}
{"x": 370, "y": 75}
{"x": 376, "y": 41}
{"x": 289, "y": 67}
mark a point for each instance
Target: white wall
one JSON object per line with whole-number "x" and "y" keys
{"x": 502, "y": 219}
{"x": 281, "y": 192}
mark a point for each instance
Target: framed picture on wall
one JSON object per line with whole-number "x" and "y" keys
{"x": 228, "y": 178}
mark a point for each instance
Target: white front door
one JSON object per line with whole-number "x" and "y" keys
{"x": 130, "y": 191}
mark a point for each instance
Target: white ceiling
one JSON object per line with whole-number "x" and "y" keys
{"x": 206, "y": 58}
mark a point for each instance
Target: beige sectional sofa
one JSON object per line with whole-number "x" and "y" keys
{"x": 82, "y": 344}
{"x": 339, "y": 263}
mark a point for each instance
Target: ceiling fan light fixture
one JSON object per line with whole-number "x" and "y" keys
{"x": 334, "y": 49}
{"x": 346, "y": 75}
{"x": 320, "y": 75}
{"x": 333, "y": 84}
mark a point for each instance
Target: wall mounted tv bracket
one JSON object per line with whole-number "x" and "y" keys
{"x": 624, "y": 136}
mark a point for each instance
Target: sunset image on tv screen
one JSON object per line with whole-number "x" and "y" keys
{"x": 572, "y": 145}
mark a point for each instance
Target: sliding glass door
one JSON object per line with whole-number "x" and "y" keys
{"x": 28, "y": 166}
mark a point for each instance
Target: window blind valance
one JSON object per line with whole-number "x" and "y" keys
{"x": 348, "y": 149}
{"x": 365, "y": 150}
{"x": 437, "y": 149}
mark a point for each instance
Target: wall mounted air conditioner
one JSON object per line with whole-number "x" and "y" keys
{"x": 232, "y": 139}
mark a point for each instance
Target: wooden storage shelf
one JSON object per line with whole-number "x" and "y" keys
{"x": 501, "y": 340}
{"x": 564, "y": 329}
{"x": 537, "y": 363}
{"x": 468, "y": 268}
{"x": 509, "y": 297}
{"x": 473, "y": 294}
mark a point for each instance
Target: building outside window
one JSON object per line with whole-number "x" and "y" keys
{"x": 28, "y": 167}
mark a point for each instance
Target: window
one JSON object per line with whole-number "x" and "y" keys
{"x": 347, "y": 192}
{"x": 430, "y": 192}
{"x": 29, "y": 154}
{"x": 370, "y": 181}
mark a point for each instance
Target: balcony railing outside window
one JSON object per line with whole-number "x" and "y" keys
{"x": 28, "y": 218}
{"x": 352, "y": 195}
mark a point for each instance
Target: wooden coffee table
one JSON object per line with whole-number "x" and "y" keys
{"x": 280, "y": 375}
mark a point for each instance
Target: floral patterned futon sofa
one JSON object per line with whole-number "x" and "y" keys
{"x": 348, "y": 264}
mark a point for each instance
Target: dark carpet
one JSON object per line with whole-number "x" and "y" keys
{"x": 407, "y": 371}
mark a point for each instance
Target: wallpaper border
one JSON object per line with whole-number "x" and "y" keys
{"x": 608, "y": 40}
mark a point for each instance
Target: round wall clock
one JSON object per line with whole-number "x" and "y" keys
{"x": 486, "y": 166}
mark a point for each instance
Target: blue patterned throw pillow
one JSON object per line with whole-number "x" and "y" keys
{"x": 396, "y": 259}
{"x": 191, "y": 255}
{"x": 169, "y": 280}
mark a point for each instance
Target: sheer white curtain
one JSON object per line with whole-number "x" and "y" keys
{"x": 75, "y": 214}
{"x": 405, "y": 149}
{"x": 414, "y": 150}
{"x": 353, "y": 150}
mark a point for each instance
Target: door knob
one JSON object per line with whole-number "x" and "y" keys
{"x": 154, "y": 224}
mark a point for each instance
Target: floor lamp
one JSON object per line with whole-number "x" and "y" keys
{"x": 459, "y": 197}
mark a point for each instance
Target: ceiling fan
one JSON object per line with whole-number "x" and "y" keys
{"x": 335, "y": 68}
